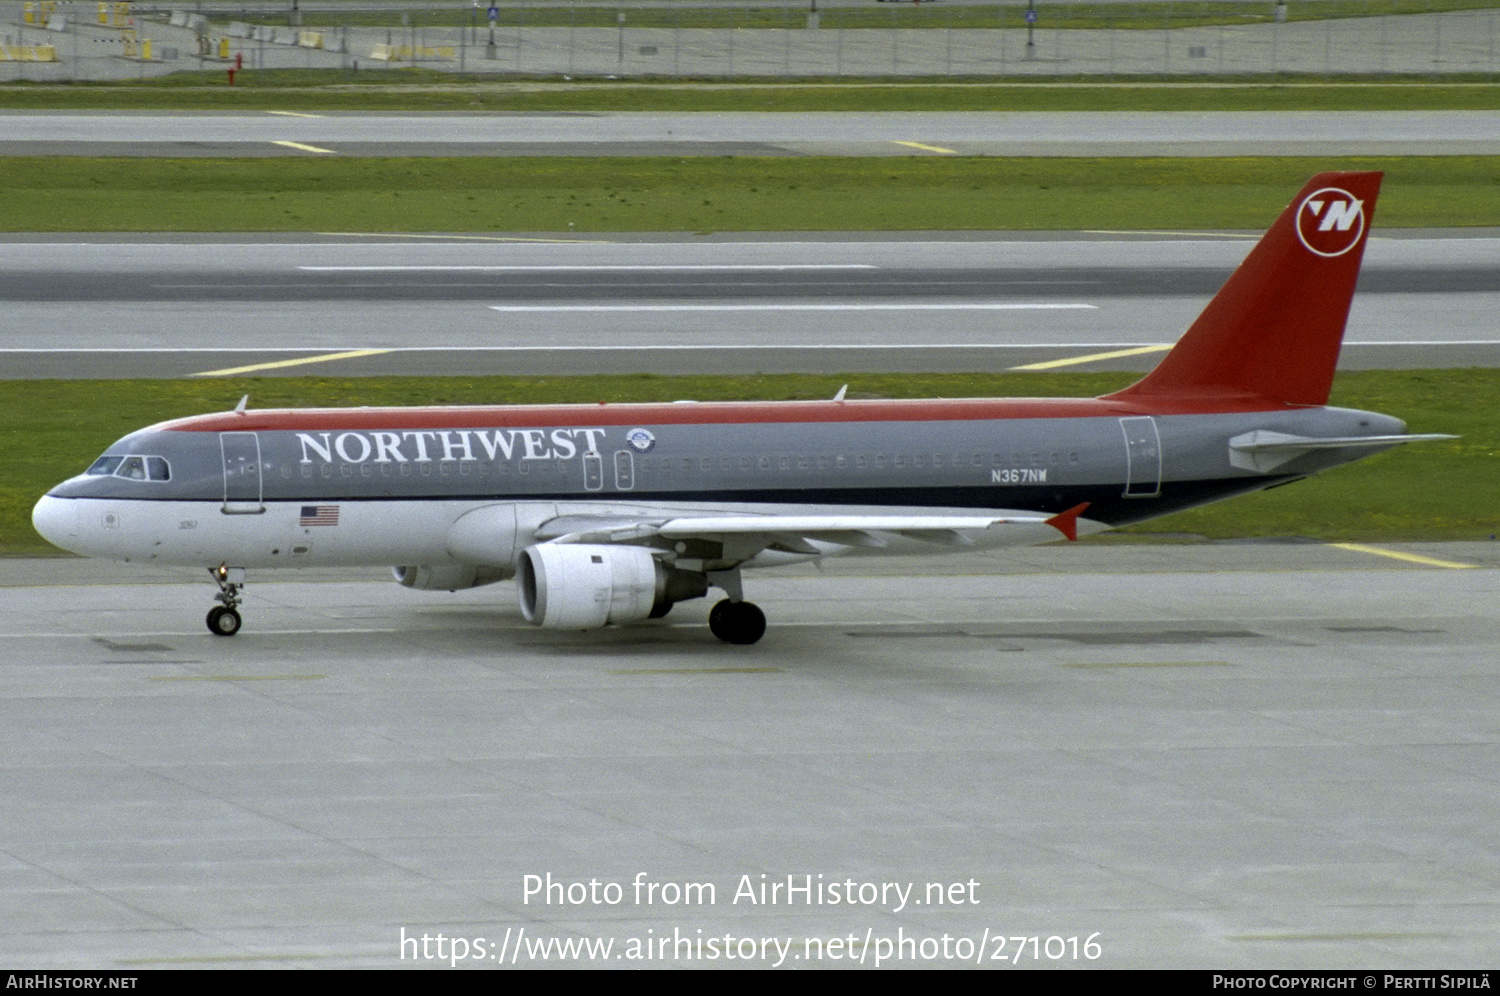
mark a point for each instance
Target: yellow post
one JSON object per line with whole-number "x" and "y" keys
{"x": 104, "y": 13}
{"x": 29, "y": 15}
{"x": 146, "y": 50}
{"x": 223, "y": 48}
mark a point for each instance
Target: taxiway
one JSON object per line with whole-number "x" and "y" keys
{"x": 1214, "y": 756}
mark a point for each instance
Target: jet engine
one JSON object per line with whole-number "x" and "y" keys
{"x": 585, "y": 586}
{"x": 448, "y": 577}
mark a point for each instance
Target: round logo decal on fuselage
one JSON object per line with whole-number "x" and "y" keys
{"x": 641, "y": 439}
{"x": 1330, "y": 221}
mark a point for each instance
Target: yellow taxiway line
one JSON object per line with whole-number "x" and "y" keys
{"x": 930, "y": 148}
{"x": 299, "y": 361}
{"x": 1090, "y": 358}
{"x": 1414, "y": 558}
{"x": 304, "y": 148}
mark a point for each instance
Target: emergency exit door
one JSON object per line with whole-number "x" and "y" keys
{"x": 1142, "y": 457}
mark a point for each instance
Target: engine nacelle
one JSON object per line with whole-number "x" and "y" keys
{"x": 585, "y": 586}
{"x": 448, "y": 577}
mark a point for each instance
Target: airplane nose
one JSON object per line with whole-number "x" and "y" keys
{"x": 57, "y": 521}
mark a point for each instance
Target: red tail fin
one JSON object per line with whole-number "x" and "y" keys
{"x": 1275, "y": 328}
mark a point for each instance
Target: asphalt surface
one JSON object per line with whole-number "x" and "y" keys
{"x": 1056, "y": 133}
{"x": 1210, "y": 756}
{"x": 85, "y": 306}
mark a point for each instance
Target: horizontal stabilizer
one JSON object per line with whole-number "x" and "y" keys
{"x": 1263, "y": 451}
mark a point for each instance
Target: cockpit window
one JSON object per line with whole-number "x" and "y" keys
{"x": 133, "y": 468}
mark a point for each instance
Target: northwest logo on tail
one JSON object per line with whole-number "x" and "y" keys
{"x": 1330, "y": 221}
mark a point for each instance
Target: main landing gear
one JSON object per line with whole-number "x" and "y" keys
{"x": 734, "y": 620}
{"x": 737, "y": 622}
{"x": 224, "y": 619}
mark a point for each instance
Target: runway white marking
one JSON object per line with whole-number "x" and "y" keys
{"x": 558, "y": 308}
{"x": 1197, "y": 236}
{"x": 1142, "y": 346}
{"x": 601, "y": 268}
{"x": 460, "y": 239}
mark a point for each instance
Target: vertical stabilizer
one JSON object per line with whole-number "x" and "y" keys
{"x": 1274, "y": 329}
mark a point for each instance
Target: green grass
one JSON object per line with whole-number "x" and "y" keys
{"x": 326, "y": 90}
{"x": 542, "y": 194}
{"x": 51, "y": 430}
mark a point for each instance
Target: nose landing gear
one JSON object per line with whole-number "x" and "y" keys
{"x": 224, "y": 619}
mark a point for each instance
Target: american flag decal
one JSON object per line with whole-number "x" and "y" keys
{"x": 319, "y": 515}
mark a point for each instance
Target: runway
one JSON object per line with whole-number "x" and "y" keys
{"x": 378, "y": 305}
{"x": 832, "y": 133}
{"x": 1206, "y": 756}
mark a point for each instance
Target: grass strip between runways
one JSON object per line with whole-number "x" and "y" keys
{"x": 606, "y": 194}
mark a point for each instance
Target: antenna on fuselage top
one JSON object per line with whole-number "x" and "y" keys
{"x": 239, "y": 409}
{"x": 840, "y": 395}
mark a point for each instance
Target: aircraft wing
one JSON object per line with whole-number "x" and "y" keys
{"x": 808, "y": 534}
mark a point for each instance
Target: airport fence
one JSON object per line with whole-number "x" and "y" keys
{"x": 69, "y": 39}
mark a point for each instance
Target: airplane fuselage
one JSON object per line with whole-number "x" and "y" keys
{"x": 373, "y": 486}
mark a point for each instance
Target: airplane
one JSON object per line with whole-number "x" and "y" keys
{"x": 612, "y": 513}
